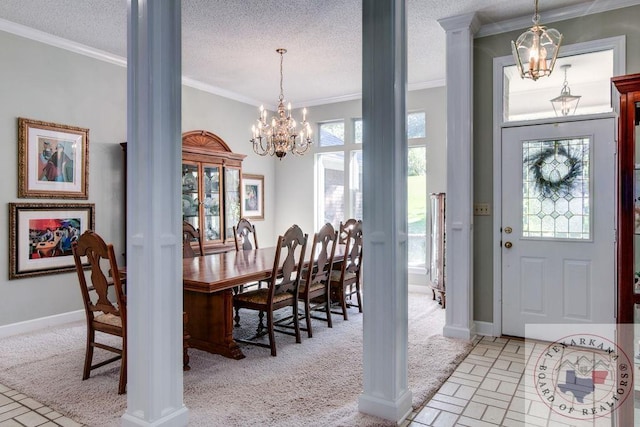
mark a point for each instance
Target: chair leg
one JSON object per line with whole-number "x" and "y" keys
{"x": 343, "y": 303}
{"x": 261, "y": 322}
{"x": 237, "y": 317}
{"x": 185, "y": 343}
{"x": 296, "y": 322}
{"x": 272, "y": 335}
{"x": 327, "y": 302}
{"x": 88, "y": 356}
{"x": 122, "y": 385}
{"x": 359, "y": 296}
{"x": 307, "y": 312}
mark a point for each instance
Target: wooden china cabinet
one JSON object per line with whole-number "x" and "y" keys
{"x": 628, "y": 236}
{"x": 211, "y": 178}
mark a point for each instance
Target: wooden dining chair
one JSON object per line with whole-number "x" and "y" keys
{"x": 246, "y": 239}
{"x": 314, "y": 285}
{"x": 102, "y": 313}
{"x": 345, "y": 228}
{"x": 191, "y": 234}
{"x": 345, "y": 278}
{"x": 282, "y": 290}
{"x": 245, "y": 235}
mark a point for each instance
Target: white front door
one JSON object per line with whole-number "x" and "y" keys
{"x": 558, "y": 225}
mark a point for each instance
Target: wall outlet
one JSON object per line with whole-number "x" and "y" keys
{"x": 481, "y": 209}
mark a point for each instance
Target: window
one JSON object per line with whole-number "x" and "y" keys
{"x": 339, "y": 179}
{"x": 417, "y": 190}
{"x": 416, "y": 125}
{"x": 330, "y": 185}
{"x": 417, "y": 206}
{"x": 331, "y": 134}
{"x": 588, "y": 75}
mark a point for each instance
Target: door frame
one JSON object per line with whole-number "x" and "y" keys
{"x": 618, "y": 45}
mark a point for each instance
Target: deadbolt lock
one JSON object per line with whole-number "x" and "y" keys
{"x": 508, "y": 230}
{"x": 508, "y": 245}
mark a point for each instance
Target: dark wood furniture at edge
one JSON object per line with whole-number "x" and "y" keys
{"x": 626, "y": 299}
{"x": 629, "y": 88}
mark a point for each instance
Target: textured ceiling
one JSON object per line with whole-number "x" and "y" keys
{"x": 231, "y": 44}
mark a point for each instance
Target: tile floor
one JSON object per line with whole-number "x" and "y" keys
{"x": 489, "y": 389}
{"x": 18, "y": 410}
{"x": 486, "y": 389}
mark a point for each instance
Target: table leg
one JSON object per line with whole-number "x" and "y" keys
{"x": 211, "y": 322}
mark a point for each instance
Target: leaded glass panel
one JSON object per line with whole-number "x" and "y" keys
{"x": 555, "y": 189}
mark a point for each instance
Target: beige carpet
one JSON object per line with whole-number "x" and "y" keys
{"x": 316, "y": 383}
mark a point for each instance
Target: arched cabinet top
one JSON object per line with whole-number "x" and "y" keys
{"x": 202, "y": 142}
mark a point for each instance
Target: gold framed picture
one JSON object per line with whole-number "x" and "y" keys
{"x": 53, "y": 160}
{"x": 41, "y": 234}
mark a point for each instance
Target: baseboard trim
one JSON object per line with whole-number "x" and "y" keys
{"x": 458, "y": 332}
{"x": 40, "y": 323}
{"x": 420, "y": 289}
{"x": 176, "y": 418}
{"x": 484, "y": 328}
{"x": 396, "y": 411}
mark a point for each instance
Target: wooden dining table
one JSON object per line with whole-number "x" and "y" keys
{"x": 208, "y": 295}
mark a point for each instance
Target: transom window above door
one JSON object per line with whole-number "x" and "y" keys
{"x": 581, "y": 83}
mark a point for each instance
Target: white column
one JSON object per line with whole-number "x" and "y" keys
{"x": 385, "y": 281}
{"x": 154, "y": 246}
{"x": 459, "y": 210}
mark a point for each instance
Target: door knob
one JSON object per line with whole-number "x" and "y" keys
{"x": 508, "y": 245}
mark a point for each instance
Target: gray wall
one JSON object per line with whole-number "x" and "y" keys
{"x": 41, "y": 82}
{"x": 591, "y": 27}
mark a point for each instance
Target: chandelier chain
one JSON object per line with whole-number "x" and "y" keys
{"x": 281, "y": 75}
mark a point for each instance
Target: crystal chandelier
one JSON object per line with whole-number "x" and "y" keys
{"x": 566, "y": 103}
{"x": 536, "y": 50}
{"x": 281, "y": 135}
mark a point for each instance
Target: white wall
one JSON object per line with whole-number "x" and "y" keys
{"x": 42, "y": 82}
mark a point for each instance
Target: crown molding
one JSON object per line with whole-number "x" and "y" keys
{"x": 46, "y": 38}
{"x": 196, "y": 84}
{"x": 569, "y": 12}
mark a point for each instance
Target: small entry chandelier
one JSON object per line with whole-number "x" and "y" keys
{"x": 536, "y": 50}
{"x": 566, "y": 103}
{"x": 281, "y": 135}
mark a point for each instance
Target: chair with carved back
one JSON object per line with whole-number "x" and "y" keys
{"x": 191, "y": 234}
{"x": 246, "y": 239}
{"x": 281, "y": 292}
{"x": 314, "y": 285}
{"x": 345, "y": 278}
{"x": 104, "y": 313}
{"x": 344, "y": 229}
{"x": 245, "y": 236}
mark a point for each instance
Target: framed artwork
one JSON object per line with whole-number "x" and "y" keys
{"x": 40, "y": 236}
{"x": 53, "y": 160}
{"x": 253, "y": 196}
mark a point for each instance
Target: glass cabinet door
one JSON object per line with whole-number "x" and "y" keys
{"x": 211, "y": 203}
{"x": 231, "y": 200}
{"x": 190, "y": 194}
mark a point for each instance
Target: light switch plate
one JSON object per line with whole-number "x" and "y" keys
{"x": 481, "y": 209}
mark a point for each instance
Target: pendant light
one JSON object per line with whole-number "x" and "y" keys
{"x": 536, "y": 50}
